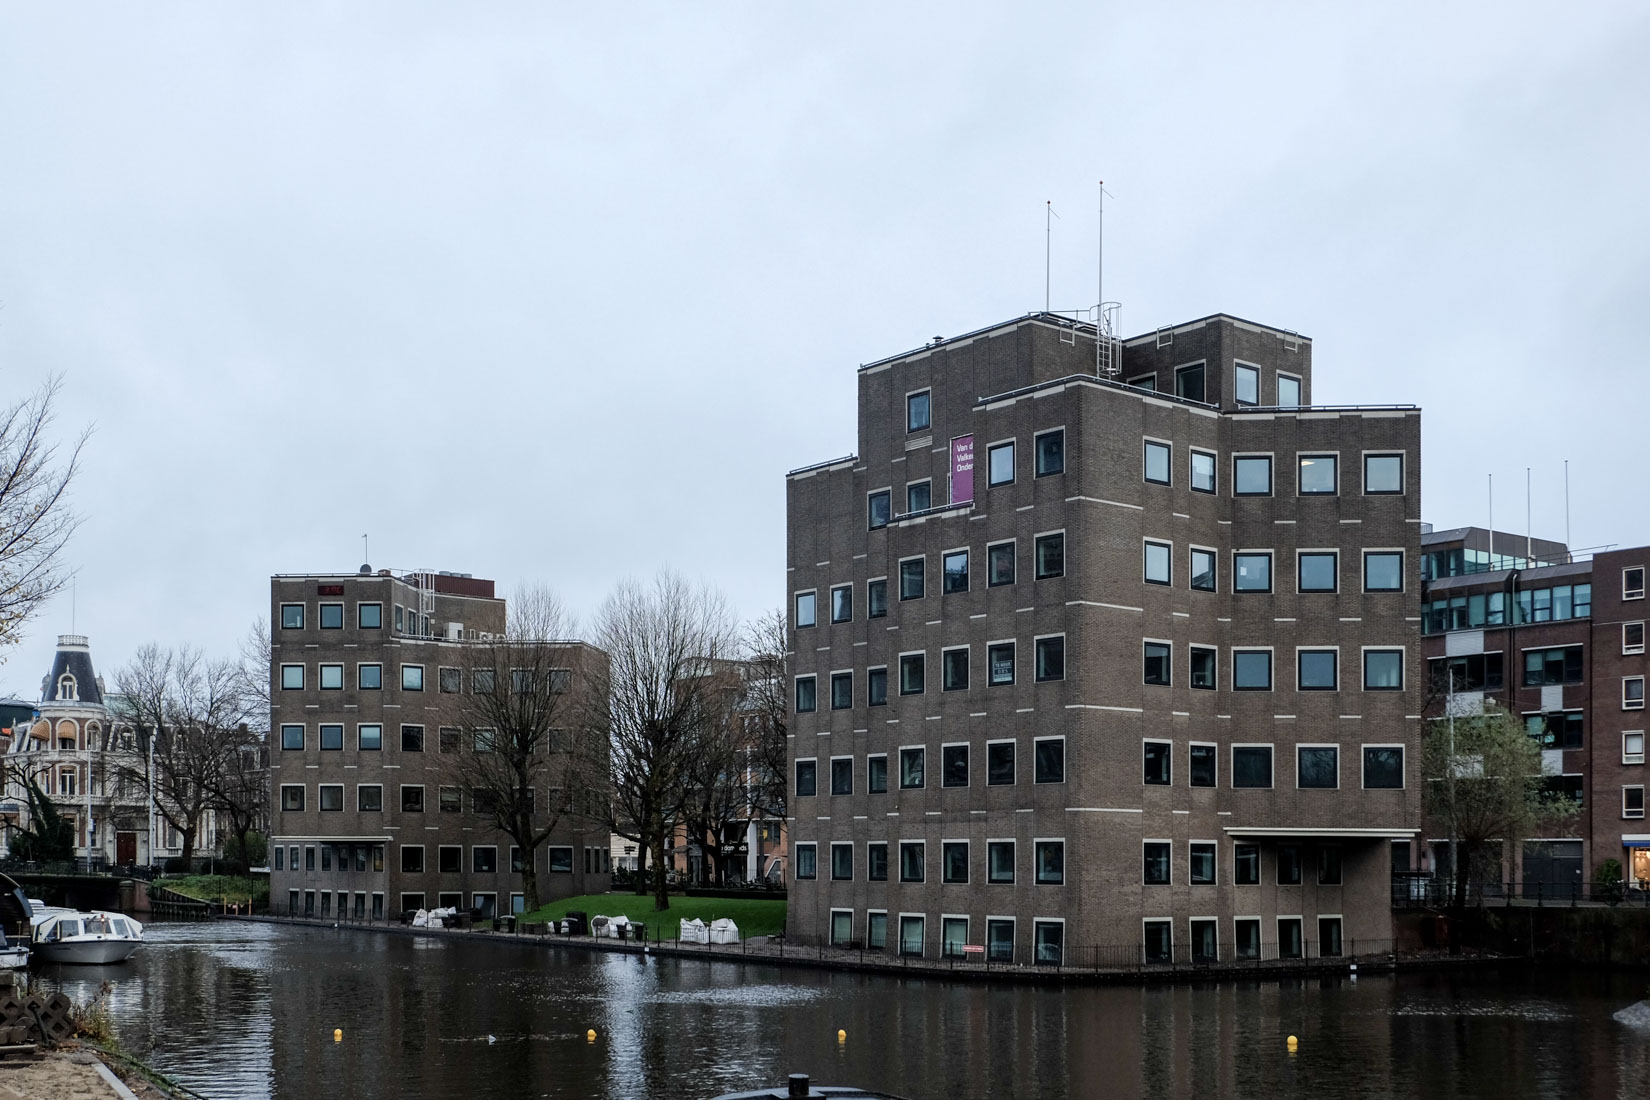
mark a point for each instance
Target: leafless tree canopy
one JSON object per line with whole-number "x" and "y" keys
{"x": 656, "y": 698}
{"x": 768, "y": 709}
{"x": 524, "y": 768}
{"x": 196, "y": 710}
{"x": 35, "y": 518}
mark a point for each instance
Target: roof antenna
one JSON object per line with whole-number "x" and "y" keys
{"x": 1569, "y": 554}
{"x": 1048, "y": 248}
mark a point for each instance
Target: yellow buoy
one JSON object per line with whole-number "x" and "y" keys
{"x": 337, "y": 1034}
{"x": 1291, "y": 1043}
{"x": 841, "y": 1036}
{"x": 590, "y": 1036}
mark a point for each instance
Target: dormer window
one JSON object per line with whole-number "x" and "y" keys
{"x": 66, "y": 690}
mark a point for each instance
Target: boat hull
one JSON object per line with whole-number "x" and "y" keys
{"x": 91, "y": 952}
{"x": 14, "y": 958}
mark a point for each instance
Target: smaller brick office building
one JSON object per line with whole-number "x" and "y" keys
{"x": 1561, "y": 643}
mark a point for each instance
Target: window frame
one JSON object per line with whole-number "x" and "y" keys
{"x": 1363, "y": 765}
{"x": 1214, "y": 760}
{"x": 1317, "y": 747}
{"x": 991, "y": 449}
{"x": 1627, "y": 701}
{"x": 1271, "y": 763}
{"x": 911, "y": 426}
{"x": 1013, "y": 663}
{"x": 1627, "y": 756}
{"x": 1152, "y": 849}
{"x": 1629, "y": 592}
{"x": 926, "y": 484}
{"x": 1403, "y": 657}
{"x": 286, "y": 668}
{"x": 1037, "y": 452}
{"x": 1202, "y": 367}
{"x": 1146, "y": 657}
{"x": 946, "y": 574}
{"x": 1147, "y": 545}
{"x": 796, "y": 694}
{"x": 1627, "y": 813}
{"x": 1239, "y": 368}
{"x": 1629, "y": 648}
{"x": 1036, "y": 763}
{"x": 1333, "y": 554}
{"x": 302, "y": 611}
{"x": 871, "y": 611}
{"x": 991, "y": 553}
{"x": 1041, "y": 642}
{"x": 1278, "y": 378}
{"x": 321, "y": 610}
{"x": 812, "y": 596}
{"x": 1271, "y": 669}
{"x": 1213, "y": 853}
{"x": 948, "y": 847}
{"x": 921, "y": 577}
{"x": 302, "y": 799}
{"x": 303, "y": 736}
{"x": 1192, "y": 652}
{"x": 1192, "y": 552}
{"x": 1403, "y": 463}
{"x": 1166, "y": 758}
{"x": 946, "y": 653}
{"x": 918, "y": 659}
{"x": 841, "y": 676}
{"x": 1013, "y": 761}
{"x": 412, "y": 668}
{"x": 836, "y": 591}
{"x": 1301, "y": 652}
{"x": 994, "y": 845}
{"x": 1037, "y": 542}
{"x": 1237, "y": 574}
{"x": 1146, "y": 445}
{"x": 1302, "y": 458}
{"x": 918, "y": 753}
{"x": 1384, "y": 551}
{"x": 1037, "y": 845}
{"x": 812, "y": 763}
{"x": 1193, "y": 454}
{"x": 887, "y": 491}
{"x": 1239, "y": 457}
{"x": 945, "y": 766}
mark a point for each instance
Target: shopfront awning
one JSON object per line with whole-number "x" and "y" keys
{"x": 1327, "y": 832}
{"x": 1635, "y": 840}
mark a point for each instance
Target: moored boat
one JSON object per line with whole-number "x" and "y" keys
{"x": 94, "y": 938}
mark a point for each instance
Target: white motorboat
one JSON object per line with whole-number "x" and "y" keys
{"x": 70, "y": 936}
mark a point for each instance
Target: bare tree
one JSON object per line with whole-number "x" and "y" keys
{"x": 194, "y": 709}
{"x": 523, "y": 771}
{"x": 35, "y": 518}
{"x": 654, "y": 699}
{"x": 767, "y": 711}
{"x": 716, "y": 800}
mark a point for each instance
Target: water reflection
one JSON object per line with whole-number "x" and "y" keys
{"x": 247, "y": 1011}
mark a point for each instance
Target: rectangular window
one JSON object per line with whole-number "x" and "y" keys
{"x": 916, "y": 411}
{"x": 1050, "y": 448}
{"x": 999, "y": 658}
{"x": 876, "y": 929}
{"x": 292, "y": 738}
{"x": 1289, "y": 397}
{"x": 876, "y": 687}
{"x": 1383, "y": 474}
{"x": 1632, "y": 801}
{"x": 1157, "y": 662}
{"x": 876, "y": 773}
{"x": 1318, "y": 767}
{"x": 842, "y": 690}
{"x": 954, "y": 861}
{"x": 1318, "y": 475}
{"x": 369, "y": 798}
{"x": 1189, "y": 382}
{"x": 1252, "y": 669}
{"x": 1159, "y": 459}
{"x": 807, "y": 778}
{"x": 1632, "y": 583}
{"x": 1246, "y": 388}
{"x": 804, "y": 610}
{"x": 910, "y": 934}
{"x": 1329, "y": 937}
{"x": 999, "y": 564}
{"x": 1252, "y": 475}
{"x": 999, "y": 763}
{"x": 482, "y": 681}
{"x": 1289, "y": 865}
{"x": 1156, "y": 870}
{"x": 842, "y": 603}
{"x": 805, "y": 694}
{"x": 1632, "y": 638}
{"x": 412, "y": 738}
{"x": 876, "y": 861}
{"x": 1000, "y": 463}
{"x": 807, "y": 861}
{"x": 1158, "y": 556}
{"x": 1246, "y": 864}
{"x": 1559, "y": 665}
{"x": 1159, "y": 763}
{"x": 1316, "y": 669}
{"x": 412, "y": 859}
{"x": 449, "y": 739}
{"x": 1049, "y": 754}
{"x": 912, "y": 673}
{"x": 954, "y": 571}
{"x": 1202, "y": 863}
{"x": 332, "y": 797}
{"x": 412, "y": 799}
{"x": 1203, "y": 569}
{"x": 332, "y": 738}
{"x": 369, "y": 677}
{"x": 1050, "y": 555}
{"x": 1557, "y": 731}
{"x": 1252, "y": 571}
{"x": 1289, "y": 938}
{"x": 911, "y": 768}
{"x": 292, "y": 797}
{"x": 999, "y": 862}
{"x": 1203, "y": 472}
{"x": 1246, "y": 930}
{"x": 842, "y": 775}
{"x": 450, "y": 858}
{"x": 332, "y": 616}
{"x": 331, "y": 677}
{"x": 1383, "y": 670}
{"x": 1632, "y": 693}
{"x": 1383, "y": 571}
{"x": 369, "y": 738}
{"x": 1202, "y": 668}
{"x": 1383, "y": 767}
{"x": 911, "y": 579}
{"x": 879, "y": 507}
{"x": 1251, "y": 766}
{"x": 1317, "y": 571}
{"x": 1051, "y": 658}
{"x": 412, "y": 677}
{"x": 999, "y": 939}
{"x": 292, "y": 677}
{"x": 1049, "y": 859}
{"x": 953, "y": 669}
{"x": 1159, "y": 941}
{"x": 911, "y": 861}
{"x": 876, "y": 598}
{"x": 369, "y": 616}
{"x": 842, "y": 862}
{"x": 1632, "y": 747}
{"x": 919, "y": 496}
{"x": 954, "y": 765}
{"x": 1329, "y": 865}
{"x": 1200, "y": 765}
{"x": 292, "y": 616}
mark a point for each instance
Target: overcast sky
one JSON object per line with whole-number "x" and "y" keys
{"x": 546, "y": 294}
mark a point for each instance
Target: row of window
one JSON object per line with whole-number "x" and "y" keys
{"x": 1317, "y": 767}
{"x": 1189, "y": 383}
{"x": 1316, "y": 668}
{"x": 369, "y": 798}
{"x": 1048, "y": 936}
{"x": 1315, "y": 570}
{"x": 369, "y": 676}
{"x": 1001, "y": 767}
{"x": 330, "y": 616}
{"x": 1048, "y": 862}
{"x": 1002, "y": 567}
{"x": 365, "y": 858}
{"x": 369, "y": 737}
{"x": 1049, "y": 663}
{"x": 1534, "y": 605}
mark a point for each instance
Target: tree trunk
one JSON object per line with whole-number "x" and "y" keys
{"x": 189, "y": 848}
{"x": 529, "y": 883}
{"x": 661, "y": 891}
{"x": 1458, "y": 907}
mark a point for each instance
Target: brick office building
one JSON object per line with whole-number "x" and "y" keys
{"x": 368, "y": 677}
{"x": 1143, "y": 677}
{"x": 1559, "y": 642}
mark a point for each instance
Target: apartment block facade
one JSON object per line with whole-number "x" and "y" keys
{"x": 1557, "y": 639}
{"x": 1089, "y": 664}
{"x": 369, "y": 674}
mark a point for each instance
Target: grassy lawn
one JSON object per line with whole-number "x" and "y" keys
{"x": 214, "y": 888}
{"x": 755, "y": 917}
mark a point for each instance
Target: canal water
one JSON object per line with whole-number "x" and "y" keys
{"x": 239, "y": 1011}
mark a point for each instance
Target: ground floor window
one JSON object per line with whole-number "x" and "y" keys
{"x": 953, "y": 936}
{"x": 411, "y": 903}
{"x": 1329, "y": 937}
{"x": 876, "y": 930}
{"x": 842, "y": 927}
{"x": 326, "y": 903}
{"x": 360, "y": 906}
{"x": 999, "y": 939}
{"x": 309, "y": 903}
{"x": 1049, "y": 941}
{"x": 910, "y": 935}
{"x": 485, "y": 905}
{"x": 1247, "y": 937}
{"x": 518, "y": 904}
{"x": 1159, "y": 946}
{"x": 1205, "y": 940}
{"x": 1289, "y": 937}
{"x": 292, "y": 902}
{"x": 450, "y": 901}
{"x": 378, "y": 907}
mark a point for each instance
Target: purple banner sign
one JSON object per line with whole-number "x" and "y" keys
{"x": 962, "y": 469}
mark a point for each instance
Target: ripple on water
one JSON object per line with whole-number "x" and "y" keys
{"x": 741, "y": 996}
{"x": 1539, "y": 1011}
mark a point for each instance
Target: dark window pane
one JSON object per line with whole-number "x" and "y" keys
{"x": 1203, "y": 668}
{"x": 954, "y": 766}
{"x": 1050, "y": 756}
{"x": 999, "y": 762}
{"x": 1317, "y": 669}
{"x": 806, "y": 773}
{"x": 1188, "y": 383}
{"x": 955, "y": 571}
{"x": 1000, "y": 564}
{"x": 1319, "y": 768}
{"x": 1051, "y": 659}
{"x": 1051, "y": 453}
{"x": 1051, "y": 556}
{"x": 1201, "y": 765}
{"x": 876, "y": 687}
{"x": 954, "y": 669}
{"x": 916, "y": 411}
{"x": 1384, "y": 767}
{"x": 1158, "y": 766}
{"x": 1252, "y": 766}
{"x": 876, "y": 599}
{"x": 1156, "y": 669}
{"x": 880, "y": 508}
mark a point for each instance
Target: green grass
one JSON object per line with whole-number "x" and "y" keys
{"x": 754, "y": 916}
{"x": 215, "y": 888}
